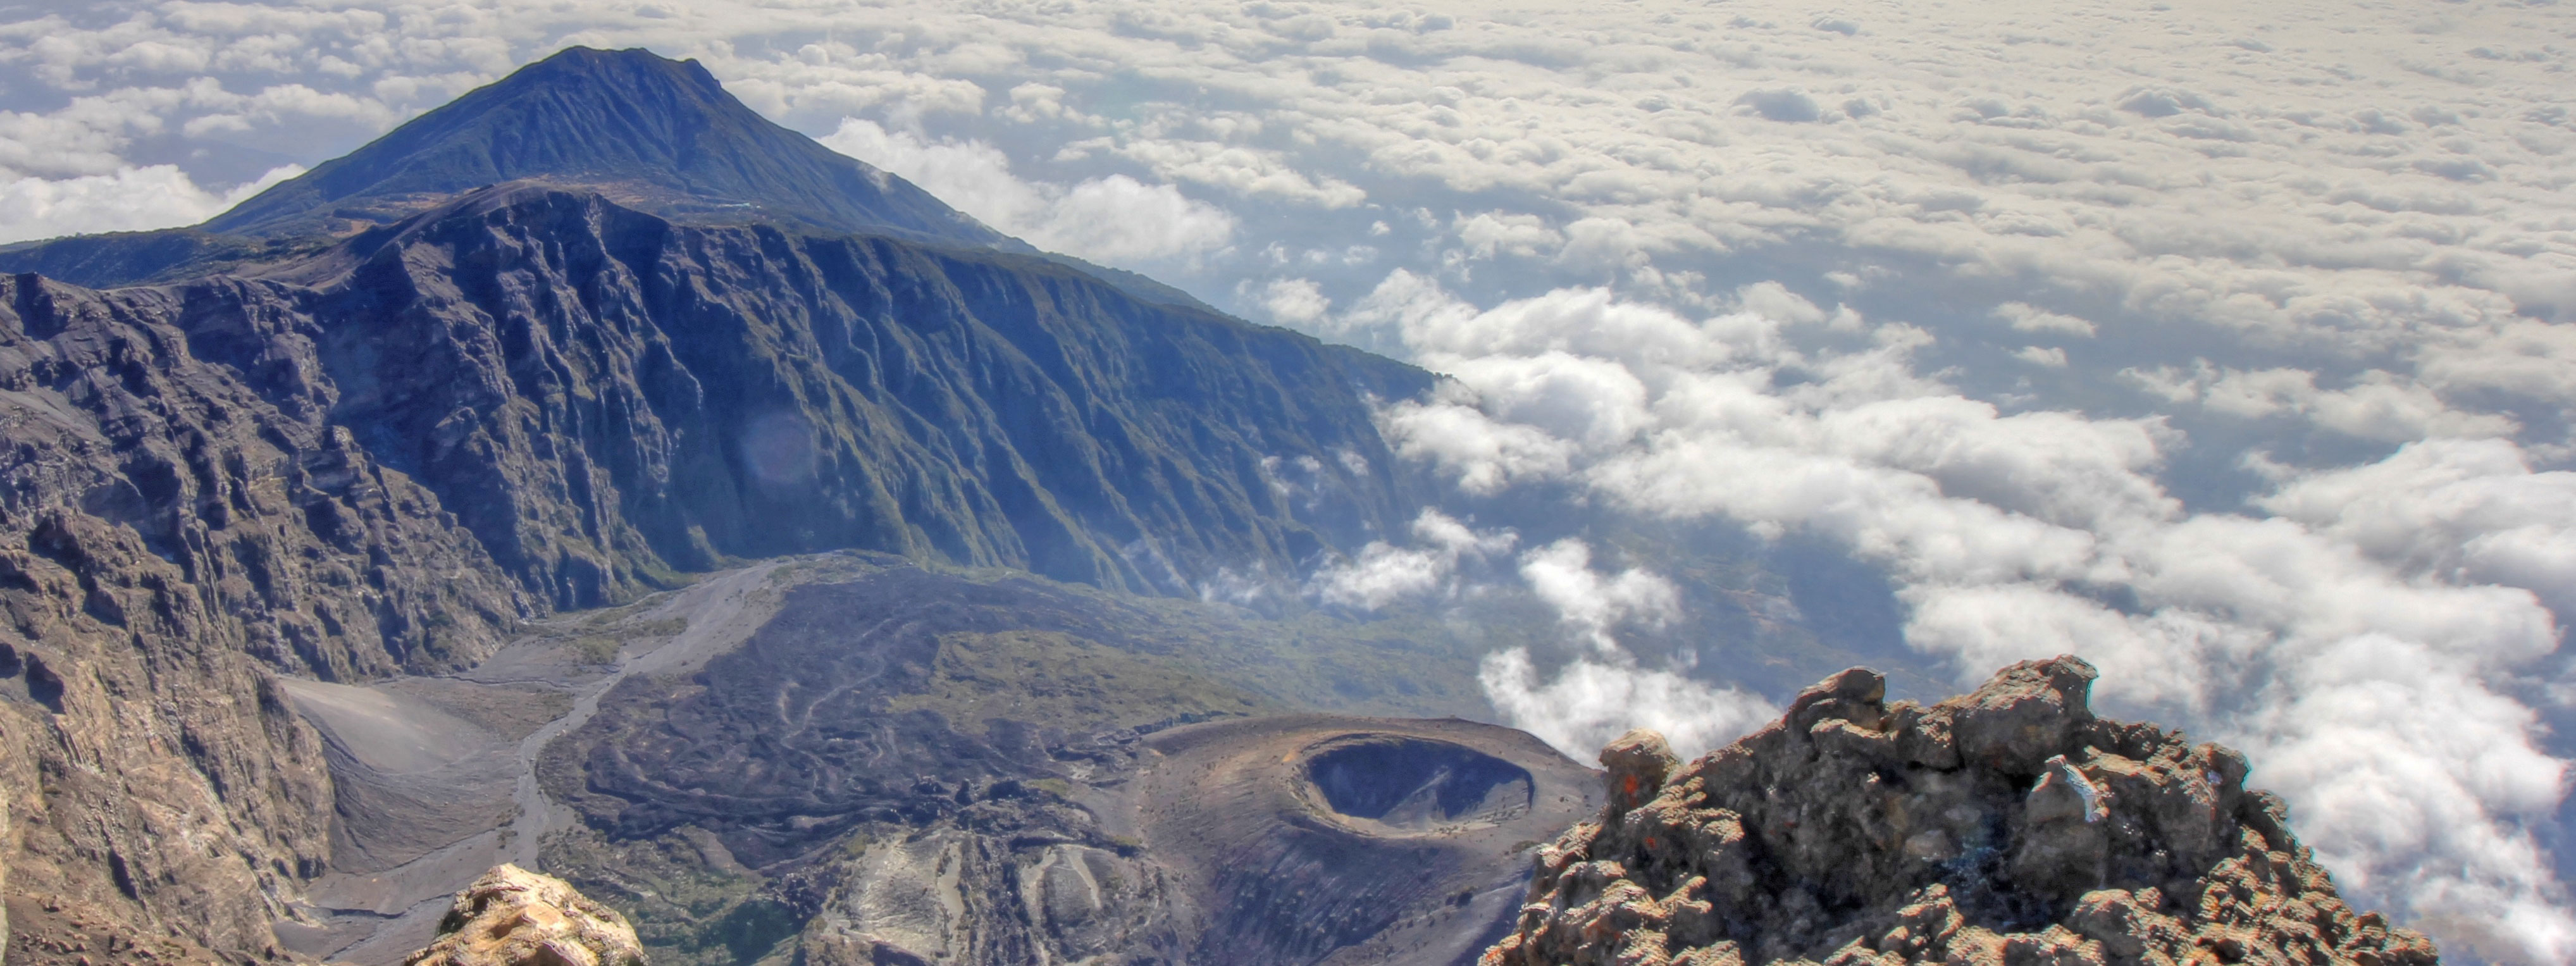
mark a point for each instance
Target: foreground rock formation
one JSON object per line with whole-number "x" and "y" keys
{"x": 514, "y": 917}
{"x": 2009, "y": 826}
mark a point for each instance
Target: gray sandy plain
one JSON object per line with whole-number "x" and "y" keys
{"x": 435, "y": 775}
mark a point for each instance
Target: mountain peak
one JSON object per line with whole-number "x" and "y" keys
{"x": 653, "y": 133}
{"x": 633, "y": 69}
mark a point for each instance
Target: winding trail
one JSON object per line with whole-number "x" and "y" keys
{"x": 377, "y": 919}
{"x": 714, "y": 609}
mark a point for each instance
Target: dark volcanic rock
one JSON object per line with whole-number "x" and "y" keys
{"x": 2008, "y": 826}
{"x": 914, "y": 763}
{"x": 789, "y": 742}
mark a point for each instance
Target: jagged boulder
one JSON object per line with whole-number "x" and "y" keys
{"x": 514, "y": 917}
{"x": 2009, "y": 827}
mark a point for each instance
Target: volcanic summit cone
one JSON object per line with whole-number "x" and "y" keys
{"x": 655, "y": 134}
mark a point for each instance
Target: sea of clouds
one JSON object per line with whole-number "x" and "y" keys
{"x": 2227, "y": 345}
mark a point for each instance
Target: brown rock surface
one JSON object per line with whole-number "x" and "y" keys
{"x": 2002, "y": 828}
{"x": 514, "y": 917}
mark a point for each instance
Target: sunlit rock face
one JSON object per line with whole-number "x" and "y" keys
{"x": 514, "y": 917}
{"x": 2005, "y": 826}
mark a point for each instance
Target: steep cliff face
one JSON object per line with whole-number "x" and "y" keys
{"x": 141, "y": 468}
{"x": 174, "y": 537}
{"x": 602, "y": 395}
{"x": 2008, "y": 826}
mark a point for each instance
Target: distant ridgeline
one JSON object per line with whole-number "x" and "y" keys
{"x": 546, "y": 347}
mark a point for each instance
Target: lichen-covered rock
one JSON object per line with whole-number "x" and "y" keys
{"x": 2009, "y": 827}
{"x": 1638, "y": 763}
{"x": 514, "y": 917}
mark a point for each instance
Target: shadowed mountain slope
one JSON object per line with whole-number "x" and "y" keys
{"x": 599, "y": 393}
{"x": 602, "y": 397}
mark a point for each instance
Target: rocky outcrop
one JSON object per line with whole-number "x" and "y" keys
{"x": 514, "y": 917}
{"x": 2002, "y": 828}
{"x": 4, "y": 881}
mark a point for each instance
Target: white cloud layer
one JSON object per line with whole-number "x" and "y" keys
{"x": 126, "y": 199}
{"x": 1383, "y": 573}
{"x": 1116, "y": 219}
{"x": 2365, "y": 639}
{"x": 1591, "y": 701}
{"x": 1594, "y": 605}
{"x": 2227, "y": 344}
{"x": 1603, "y": 692}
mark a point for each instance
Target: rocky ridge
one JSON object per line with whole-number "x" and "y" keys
{"x": 2002, "y": 828}
{"x": 514, "y": 917}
